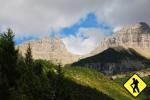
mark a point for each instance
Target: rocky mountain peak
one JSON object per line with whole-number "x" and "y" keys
{"x": 131, "y": 36}
{"x": 143, "y": 24}
{"x": 137, "y": 28}
{"x": 48, "y": 48}
{"x": 140, "y": 25}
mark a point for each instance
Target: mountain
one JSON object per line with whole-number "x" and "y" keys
{"x": 126, "y": 50}
{"x": 136, "y": 36}
{"x": 115, "y": 60}
{"x": 47, "y": 48}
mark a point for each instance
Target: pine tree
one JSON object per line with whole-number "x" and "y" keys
{"x": 8, "y": 64}
{"x": 28, "y": 58}
{"x": 38, "y": 68}
{"x": 60, "y": 92}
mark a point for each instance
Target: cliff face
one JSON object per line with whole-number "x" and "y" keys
{"x": 48, "y": 48}
{"x": 135, "y": 36}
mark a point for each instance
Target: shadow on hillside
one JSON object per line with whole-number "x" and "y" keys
{"x": 74, "y": 91}
{"x": 115, "y": 60}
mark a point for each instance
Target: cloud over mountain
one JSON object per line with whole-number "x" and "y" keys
{"x": 43, "y": 17}
{"x": 84, "y": 41}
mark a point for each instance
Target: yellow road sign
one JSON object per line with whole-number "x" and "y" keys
{"x": 135, "y": 85}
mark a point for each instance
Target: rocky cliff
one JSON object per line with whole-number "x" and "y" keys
{"x": 47, "y": 48}
{"x": 136, "y": 36}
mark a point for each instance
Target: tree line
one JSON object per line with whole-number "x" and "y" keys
{"x": 23, "y": 78}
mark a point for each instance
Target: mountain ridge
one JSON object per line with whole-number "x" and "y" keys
{"x": 136, "y": 36}
{"x": 48, "y": 48}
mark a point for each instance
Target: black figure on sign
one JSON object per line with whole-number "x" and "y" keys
{"x": 134, "y": 85}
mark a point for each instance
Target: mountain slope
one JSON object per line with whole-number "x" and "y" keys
{"x": 95, "y": 80}
{"x": 48, "y": 48}
{"x": 115, "y": 60}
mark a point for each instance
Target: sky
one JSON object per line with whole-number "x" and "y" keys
{"x": 81, "y": 24}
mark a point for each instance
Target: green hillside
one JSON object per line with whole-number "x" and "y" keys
{"x": 93, "y": 79}
{"x": 80, "y": 83}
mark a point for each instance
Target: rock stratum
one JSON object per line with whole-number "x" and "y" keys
{"x": 52, "y": 49}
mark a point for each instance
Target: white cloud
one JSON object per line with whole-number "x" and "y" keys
{"x": 124, "y": 12}
{"x": 85, "y": 40}
{"x": 38, "y": 17}
{"x": 41, "y": 16}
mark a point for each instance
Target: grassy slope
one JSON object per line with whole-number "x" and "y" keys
{"x": 93, "y": 79}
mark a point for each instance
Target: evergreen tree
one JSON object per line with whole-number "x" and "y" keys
{"x": 38, "y": 68}
{"x": 28, "y": 57}
{"x": 8, "y": 64}
{"x": 60, "y": 91}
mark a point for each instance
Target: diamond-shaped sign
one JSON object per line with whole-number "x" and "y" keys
{"x": 135, "y": 85}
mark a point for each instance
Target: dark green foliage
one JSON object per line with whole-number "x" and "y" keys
{"x": 74, "y": 91}
{"x": 28, "y": 58}
{"x": 8, "y": 64}
{"x": 34, "y": 83}
{"x": 38, "y": 68}
{"x": 60, "y": 93}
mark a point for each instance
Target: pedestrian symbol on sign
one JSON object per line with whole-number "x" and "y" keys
{"x": 135, "y": 87}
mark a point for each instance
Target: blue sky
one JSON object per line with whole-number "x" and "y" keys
{"x": 89, "y": 21}
{"x": 81, "y": 37}
{"x": 22, "y": 39}
{"x": 86, "y": 34}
